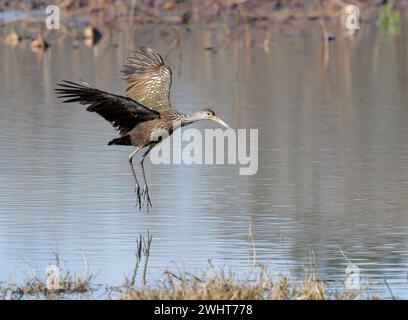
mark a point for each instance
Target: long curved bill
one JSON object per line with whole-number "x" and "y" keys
{"x": 218, "y": 120}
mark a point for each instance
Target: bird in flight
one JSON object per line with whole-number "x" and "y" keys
{"x": 143, "y": 114}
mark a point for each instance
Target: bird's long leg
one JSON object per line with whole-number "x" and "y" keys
{"x": 145, "y": 192}
{"x": 137, "y": 186}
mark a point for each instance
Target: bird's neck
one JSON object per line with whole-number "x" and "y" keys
{"x": 187, "y": 119}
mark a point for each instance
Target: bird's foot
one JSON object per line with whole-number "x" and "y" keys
{"x": 139, "y": 197}
{"x": 146, "y": 198}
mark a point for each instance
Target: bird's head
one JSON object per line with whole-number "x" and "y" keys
{"x": 208, "y": 114}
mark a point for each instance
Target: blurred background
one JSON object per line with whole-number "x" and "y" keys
{"x": 329, "y": 104}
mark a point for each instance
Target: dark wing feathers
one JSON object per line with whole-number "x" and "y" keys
{"x": 149, "y": 79}
{"x": 124, "y": 113}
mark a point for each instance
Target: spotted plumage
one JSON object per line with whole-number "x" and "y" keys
{"x": 144, "y": 113}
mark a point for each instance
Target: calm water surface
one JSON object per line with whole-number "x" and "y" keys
{"x": 333, "y": 159}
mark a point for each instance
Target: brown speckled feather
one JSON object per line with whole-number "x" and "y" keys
{"x": 149, "y": 79}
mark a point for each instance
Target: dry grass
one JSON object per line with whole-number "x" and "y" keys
{"x": 213, "y": 284}
{"x": 55, "y": 284}
{"x": 216, "y": 284}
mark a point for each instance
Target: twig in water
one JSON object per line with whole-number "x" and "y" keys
{"x": 57, "y": 259}
{"x": 344, "y": 255}
{"x": 389, "y": 289}
{"x": 325, "y": 35}
{"x": 85, "y": 264}
{"x": 251, "y": 238}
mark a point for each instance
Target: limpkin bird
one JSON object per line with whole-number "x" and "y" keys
{"x": 144, "y": 110}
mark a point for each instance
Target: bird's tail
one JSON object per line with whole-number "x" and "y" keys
{"x": 124, "y": 141}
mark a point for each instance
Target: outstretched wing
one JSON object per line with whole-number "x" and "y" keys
{"x": 123, "y": 112}
{"x": 149, "y": 79}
